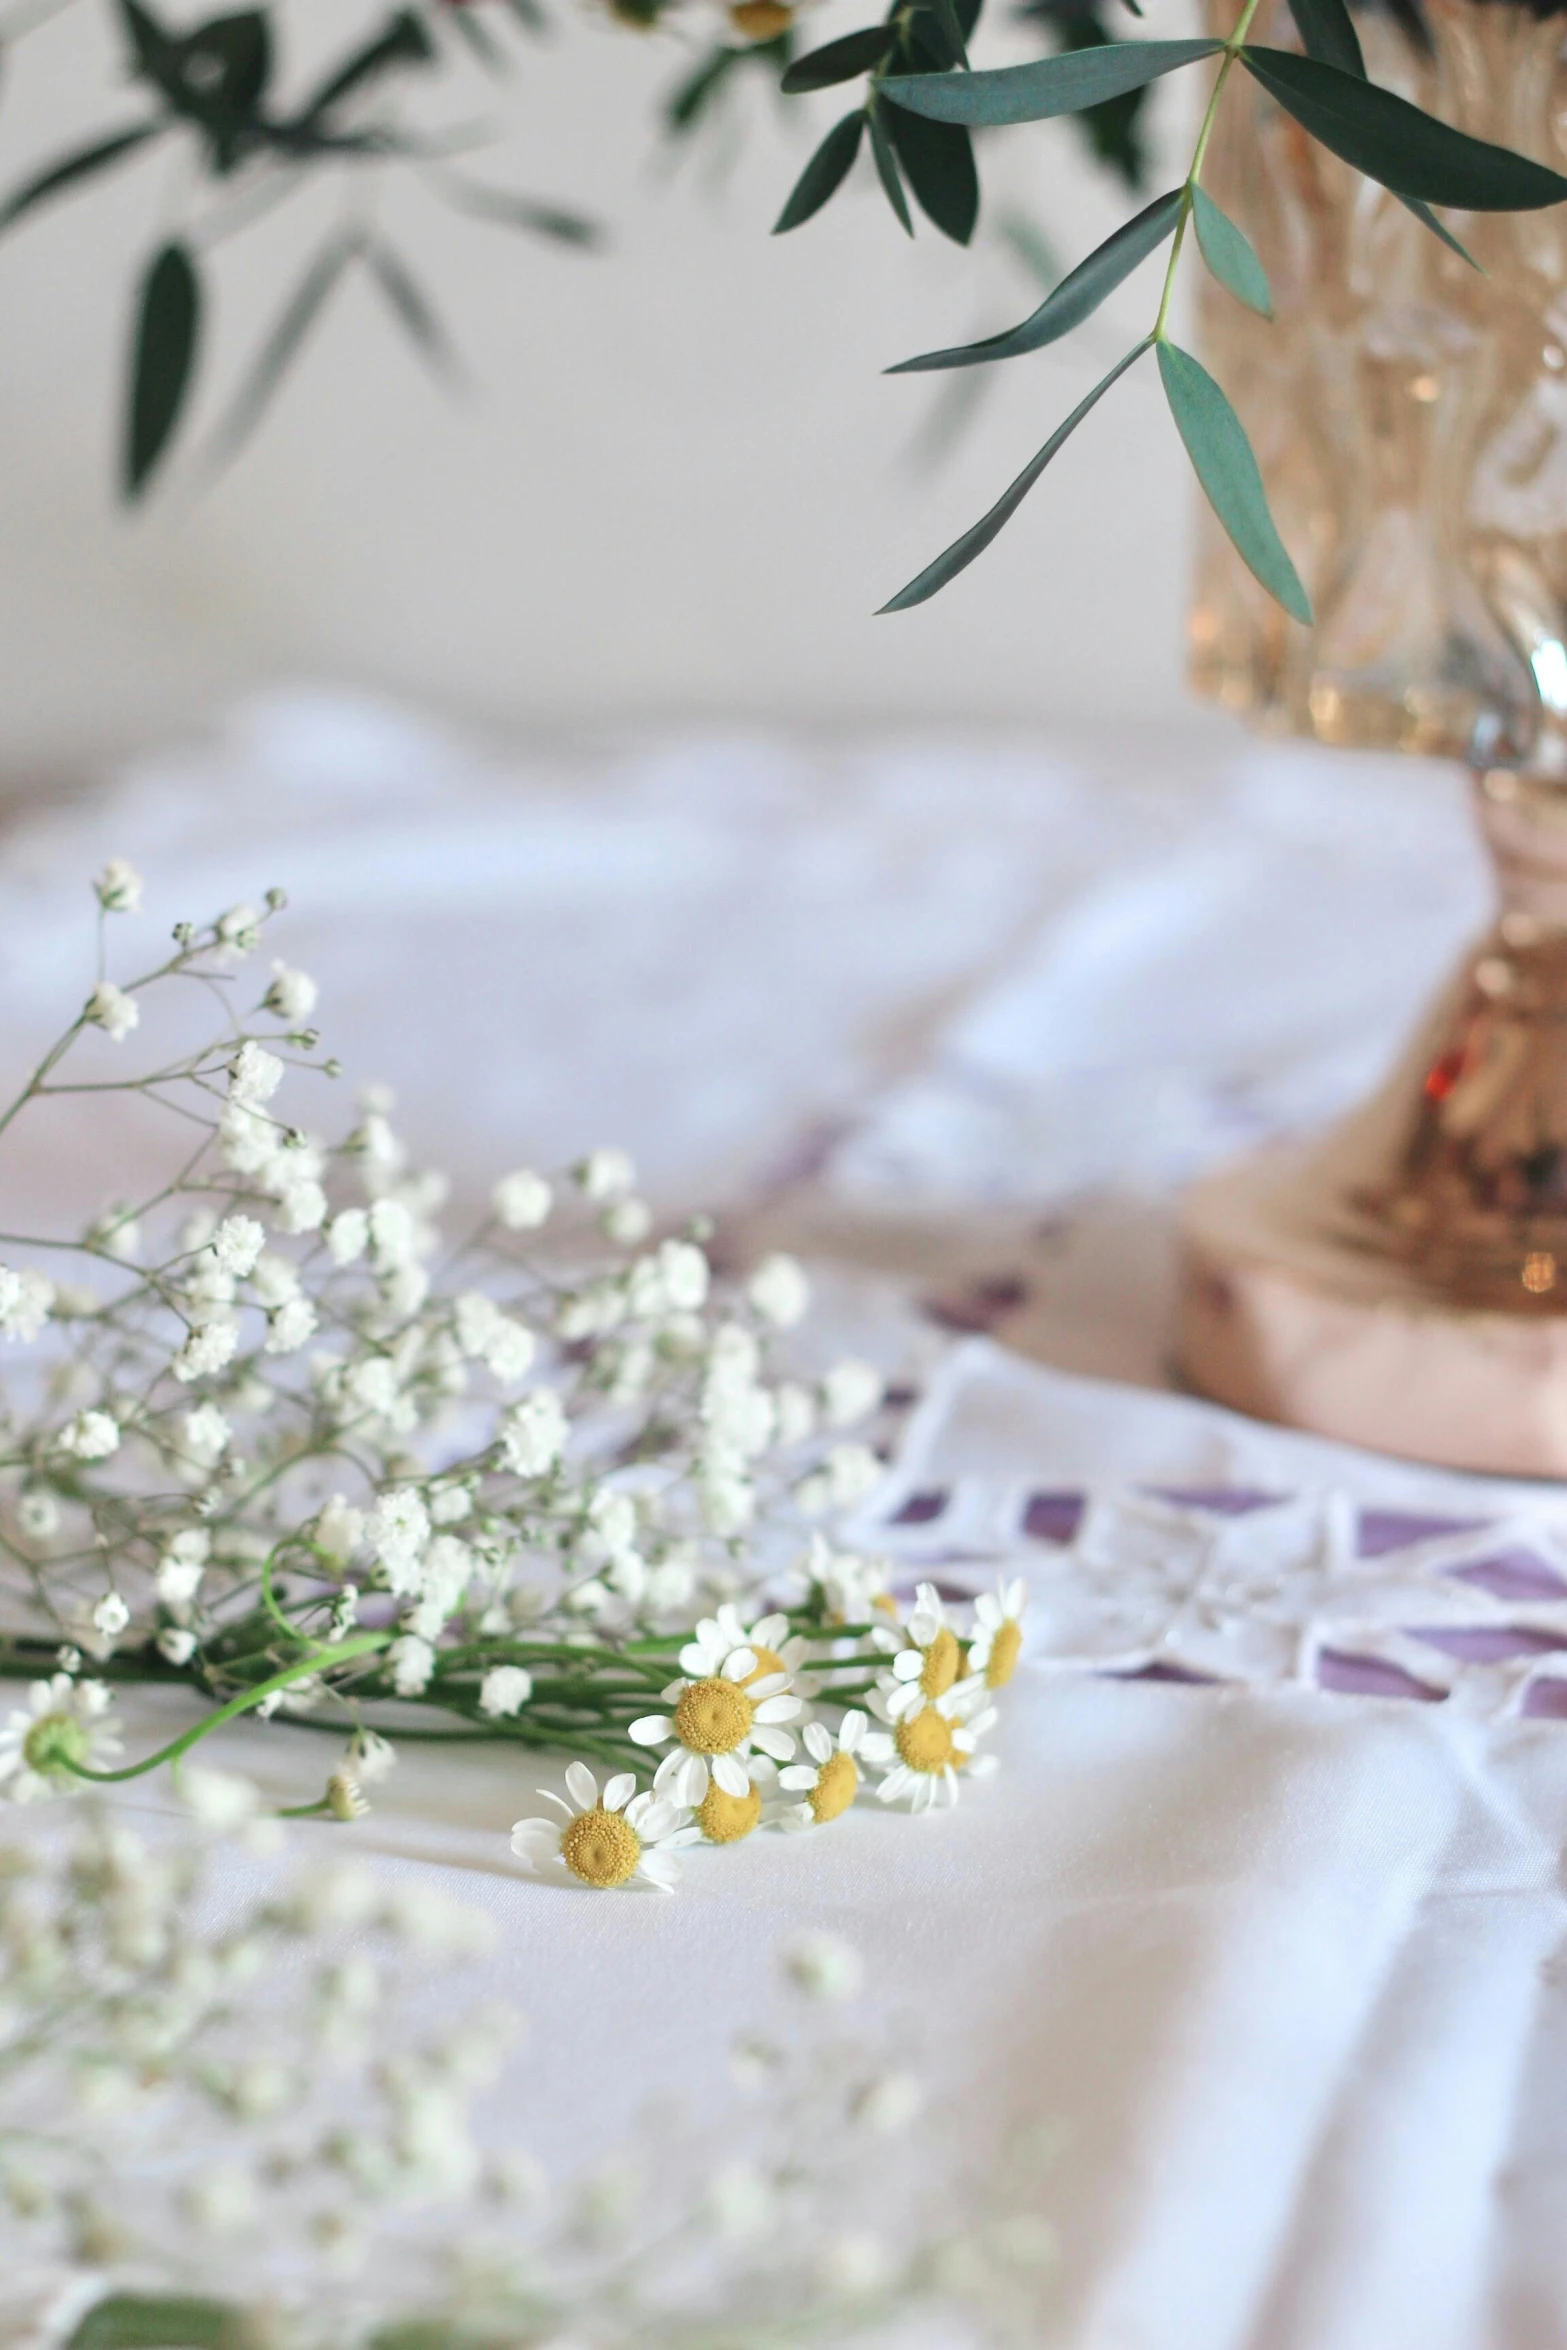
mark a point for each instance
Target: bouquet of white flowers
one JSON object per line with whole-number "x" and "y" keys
{"x": 278, "y": 1439}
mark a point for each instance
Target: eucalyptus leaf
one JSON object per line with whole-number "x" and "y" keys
{"x": 839, "y": 61}
{"x": 509, "y": 210}
{"x": 412, "y": 307}
{"x": 963, "y": 551}
{"x": 402, "y": 40}
{"x": 1048, "y": 86}
{"x": 168, "y": 329}
{"x": 887, "y": 167}
{"x": 690, "y": 98}
{"x": 282, "y": 346}
{"x": 75, "y": 168}
{"x": 1439, "y": 228}
{"x": 161, "y": 2321}
{"x": 1393, "y": 142}
{"x": 826, "y": 172}
{"x": 1077, "y": 297}
{"x": 946, "y": 16}
{"x": 1327, "y": 32}
{"x": 938, "y": 161}
{"x": 1222, "y": 457}
{"x": 1229, "y": 254}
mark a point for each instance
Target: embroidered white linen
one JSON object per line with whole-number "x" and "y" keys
{"x": 1283, "y": 1966}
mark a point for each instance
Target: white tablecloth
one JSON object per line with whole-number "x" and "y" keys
{"x": 1281, "y": 1961}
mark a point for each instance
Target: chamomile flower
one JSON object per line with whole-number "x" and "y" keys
{"x": 776, "y": 1649}
{"x": 606, "y": 1839}
{"x": 828, "y": 1780}
{"x": 998, "y": 1633}
{"x": 928, "y": 1666}
{"x": 62, "y": 1729}
{"x": 923, "y": 1749}
{"x": 720, "y": 1713}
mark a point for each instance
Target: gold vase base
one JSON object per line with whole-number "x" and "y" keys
{"x": 1282, "y": 1313}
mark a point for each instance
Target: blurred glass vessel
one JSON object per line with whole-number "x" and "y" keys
{"x": 1404, "y": 1282}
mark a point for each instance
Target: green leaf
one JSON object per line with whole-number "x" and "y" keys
{"x": 1393, "y": 142}
{"x": 963, "y": 551}
{"x": 946, "y": 17}
{"x": 160, "y": 2321}
{"x": 1327, "y": 32}
{"x": 168, "y": 327}
{"x": 1428, "y": 219}
{"x": 1077, "y": 297}
{"x": 403, "y": 40}
{"x": 74, "y": 168}
{"x": 826, "y": 172}
{"x": 938, "y": 159}
{"x": 411, "y": 307}
{"x": 1228, "y": 253}
{"x": 1114, "y": 129}
{"x": 1221, "y": 454}
{"x": 887, "y": 166}
{"x": 690, "y": 98}
{"x": 840, "y": 61}
{"x": 283, "y": 344}
{"x": 1047, "y": 87}
{"x": 524, "y": 212}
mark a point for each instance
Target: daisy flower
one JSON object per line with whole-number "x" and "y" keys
{"x": 725, "y": 1819}
{"x": 830, "y": 1780}
{"x": 605, "y": 1839}
{"x": 720, "y": 1713}
{"x": 928, "y": 1667}
{"x": 62, "y": 1726}
{"x": 998, "y": 1633}
{"x": 775, "y": 1648}
{"x": 923, "y": 1749}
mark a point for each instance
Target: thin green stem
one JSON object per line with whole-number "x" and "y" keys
{"x": 1232, "y": 49}
{"x": 341, "y": 1654}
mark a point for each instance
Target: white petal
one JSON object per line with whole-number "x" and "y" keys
{"x": 534, "y": 1841}
{"x": 549, "y": 1795}
{"x": 778, "y": 1743}
{"x": 987, "y": 1611}
{"x": 661, "y": 1869}
{"x": 817, "y": 1741}
{"x": 771, "y": 1632}
{"x": 730, "y": 1775}
{"x": 655, "y": 1817}
{"x": 651, "y": 1730}
{"x": 693, "y": 1660}
{"x": 908, "y": 1665}
{"x": 894, "y": 1786}
{"x": 1014, "y": 1597}
{"x": 581, "y": 1785}
{"x": 740, "y": 1664}
{"x": 674, "y": 1693}
{"x": 877, "y": 1748}
{"x": 851, "y": 1730}
{"x": 779, "y": 1709}
{"x": 619, "y": 1790}
{"x": 768, "y": 1686}
{"x": 984, "y": 1766}
{"x": 798, "y": 1777}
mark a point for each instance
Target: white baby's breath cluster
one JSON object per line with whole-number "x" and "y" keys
{"x": 277, "y": 1431}
{"x": 252, "y": 2133}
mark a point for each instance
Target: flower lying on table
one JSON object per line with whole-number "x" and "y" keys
{"x": 275, "y": 1437}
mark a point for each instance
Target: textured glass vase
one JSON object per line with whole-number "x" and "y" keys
{"x": 1408, "y": 412}
{"x": 1403, "y": 1281}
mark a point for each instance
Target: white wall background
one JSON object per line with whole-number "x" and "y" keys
{"x": 678, "y": 486}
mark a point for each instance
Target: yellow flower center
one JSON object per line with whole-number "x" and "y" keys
{"x": 942, "y": 1659}
{"x": 724, "y": 1819}
{"x": 767, "y": 1661}
{"x": 837, "y": 1783}
{"x": 924, "y": 1741}
{"x": 600, "y": 1847}
{"x": 1004, "y": 1650}
{"x": 712, "y": 1717}
{"x": 53, "y": 1744}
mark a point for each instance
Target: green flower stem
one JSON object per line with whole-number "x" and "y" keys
{"x": 342, "y": 1654}
{"x": 1232, "y": 49}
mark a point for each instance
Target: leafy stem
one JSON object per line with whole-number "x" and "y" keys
{"x": 1232, "y": 50}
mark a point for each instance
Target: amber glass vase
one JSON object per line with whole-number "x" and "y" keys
{"x": 1409, "y": 414}
{"x": 1405, "y": 1281}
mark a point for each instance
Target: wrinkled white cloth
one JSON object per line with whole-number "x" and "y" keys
{"x": 1286, "y": 1966}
